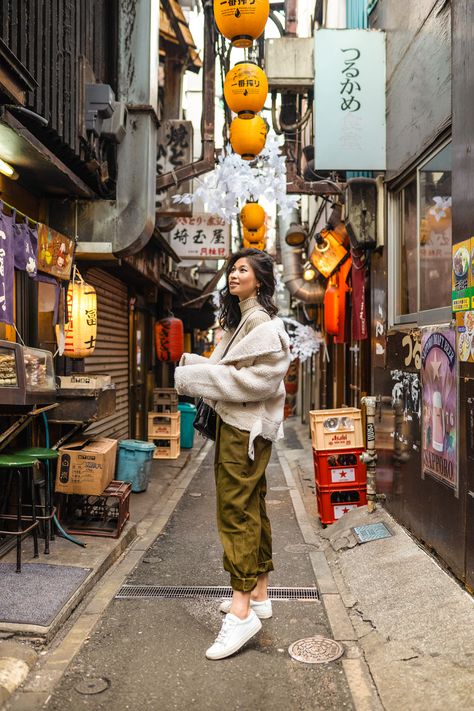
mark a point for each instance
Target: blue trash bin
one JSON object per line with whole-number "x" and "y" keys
{"x": 134, "y": 463}
{"x": 188, "y": 413}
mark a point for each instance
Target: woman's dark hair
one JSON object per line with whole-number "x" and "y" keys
{"x": 262, "y": 265}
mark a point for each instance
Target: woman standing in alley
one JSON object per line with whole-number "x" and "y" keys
{"x": 243, "y": 381}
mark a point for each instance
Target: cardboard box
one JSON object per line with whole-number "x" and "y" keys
{"x": 86, "y": 467}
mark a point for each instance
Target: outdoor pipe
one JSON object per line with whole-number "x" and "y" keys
{"x": 309, "y": 292}
{"x": 207, "y": 160}
{"x": 369, "y": 457}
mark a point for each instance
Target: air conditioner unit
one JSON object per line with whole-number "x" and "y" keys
{"x": 289, "y": 63}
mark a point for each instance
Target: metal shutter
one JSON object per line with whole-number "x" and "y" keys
{"x": 111, "y": 352}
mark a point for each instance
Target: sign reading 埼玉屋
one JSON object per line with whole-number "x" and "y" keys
{"x": 349, "y": 100}
{"x": 202, "y": 236}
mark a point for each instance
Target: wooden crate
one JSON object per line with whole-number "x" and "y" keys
{"x": 163, "y": 424}
{"x": 166, "y": 447}
{"x": 332, "y": 430}
{"x": 165, "y": 399}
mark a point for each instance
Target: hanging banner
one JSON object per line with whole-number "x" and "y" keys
{"x": 55, "y": 253}
{"x": 7, "y": 270}
{"x": 349, "y": 100}
{"x": 25, "y": 243}
{"x": 439, "y": 413}
{"x": 199, "y": 237}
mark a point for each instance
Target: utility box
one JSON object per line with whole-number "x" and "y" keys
{"x": 86, "y": 467}
{"x": 289, "y": 63}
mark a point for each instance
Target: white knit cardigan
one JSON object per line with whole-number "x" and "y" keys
{"x": 245, "y": 386}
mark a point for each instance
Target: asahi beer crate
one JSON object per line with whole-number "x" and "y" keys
{"x": 165, "y": 400}
{"x": 333, "y": 430}
{"x": 339, "y": 469}
{"x": 333, "y": 504}
{"x": 163, "y": 424}
{"x": 166, "y": 447}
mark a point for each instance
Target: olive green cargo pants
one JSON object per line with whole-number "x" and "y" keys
{"x": 242, "y": 521}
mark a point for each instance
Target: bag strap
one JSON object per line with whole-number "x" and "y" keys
{"x": 239, "y": 327}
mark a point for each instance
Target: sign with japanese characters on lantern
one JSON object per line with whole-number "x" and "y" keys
{"x": 349, "y": 100}
{"x": 202, "y": 236}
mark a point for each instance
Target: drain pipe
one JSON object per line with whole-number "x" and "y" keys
{"x": 309, "y": 292}
{"x": 369, "y": 457}
{"x": 207, "y": 160}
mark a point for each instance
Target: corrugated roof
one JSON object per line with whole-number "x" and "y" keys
{"x": 175, "y": 29}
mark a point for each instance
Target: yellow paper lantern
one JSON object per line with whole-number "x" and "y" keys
{"x": 248, "y": 136}
{"x": 252, "y": 216}
{"x": 245, "y": 89}
{"x": 261, "y": 246}
{"x": 241, "y": 21}
{"x": 254, "y": 236}
{"x": 81, "y": 329}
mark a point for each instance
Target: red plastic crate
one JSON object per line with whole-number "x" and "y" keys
{"x": 339, "y": 470}
{"x": 330, "y": 506}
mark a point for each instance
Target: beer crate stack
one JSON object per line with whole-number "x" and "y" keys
{"x": 164, "y": 424}
{"x": 340, "y": 476}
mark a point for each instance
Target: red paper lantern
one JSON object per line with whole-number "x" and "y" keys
{"x": 331, "y": 309}
{"x": 169, "y": 339}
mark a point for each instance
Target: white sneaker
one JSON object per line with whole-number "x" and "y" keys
{"x": 233, "y": 635}
{"x": 262, "y": 608}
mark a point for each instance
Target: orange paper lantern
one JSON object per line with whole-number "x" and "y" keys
{"x": 248, "y": 136}
{"x": 252, "y": 216}
{"x": 331, "y": 308}
{"x": 169, "y": 339}
{"x": 261, "y": 246}
{"x": 254, "y": 236}
{"x": 245, "y": 89}
{"x": 242, "y": 21}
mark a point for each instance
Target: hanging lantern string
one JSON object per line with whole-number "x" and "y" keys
{"x": 19, "y": 212}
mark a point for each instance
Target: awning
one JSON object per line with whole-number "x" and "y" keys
{"x": 175, "y": 30}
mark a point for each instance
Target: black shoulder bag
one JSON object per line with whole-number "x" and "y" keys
{"x": 205, "y": 421}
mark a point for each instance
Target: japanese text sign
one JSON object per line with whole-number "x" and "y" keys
{"x": 202, "y": 236}
{"x": 175, "y": 149}
{"x": 349, "y": 100}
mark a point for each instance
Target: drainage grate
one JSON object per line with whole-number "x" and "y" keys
{"x": 315, "y": 650}
{"x": 371, "y": 532}
{"x": 190, "y": 592}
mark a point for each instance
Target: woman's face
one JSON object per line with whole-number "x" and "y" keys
{"x": 242, "y": 280}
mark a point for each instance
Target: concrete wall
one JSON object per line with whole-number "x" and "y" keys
{"x": 418, "y": 75}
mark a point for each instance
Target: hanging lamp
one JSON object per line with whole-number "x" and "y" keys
{"x": 252, "y": 215}
{"x": 241, "y": 22}
{"x": 248, "y": 136}
{"x": 245, "y": 89}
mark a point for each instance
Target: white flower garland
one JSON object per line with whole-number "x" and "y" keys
{"x": 234, "y": 181}
{"x": 304, "y": 340}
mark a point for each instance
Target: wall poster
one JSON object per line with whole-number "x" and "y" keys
{"x": 439, "y": 412}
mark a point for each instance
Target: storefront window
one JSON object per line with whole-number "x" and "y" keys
{"x": 46, "y": 301}
{"x": 422, "y": 241}
{"x": 435, "y": 231}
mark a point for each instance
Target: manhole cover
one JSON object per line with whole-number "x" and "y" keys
{"x": 371, "y": 532}
{"x": 93, "y": 685}
{"x": 315, "y": 650}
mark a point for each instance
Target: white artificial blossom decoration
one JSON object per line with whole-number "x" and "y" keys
{"x": 304, "y": 340}
{"x": 234, "y": 181}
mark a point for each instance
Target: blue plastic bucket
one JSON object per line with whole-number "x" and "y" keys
{"x": 134, "y": 463}
{"x": 188, "y": 413}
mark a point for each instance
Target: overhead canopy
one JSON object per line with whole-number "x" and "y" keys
{"x": 174, "y": 30}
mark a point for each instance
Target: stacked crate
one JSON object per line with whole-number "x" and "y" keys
{"x": 164, "y": 424}
{"x": 340, "y": 476}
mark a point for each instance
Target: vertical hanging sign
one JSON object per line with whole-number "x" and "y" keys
{"x": 439, "y": 414}
{"x": 349, "y": 100}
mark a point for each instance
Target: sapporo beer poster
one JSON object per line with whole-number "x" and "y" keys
{"x": 439, "y": 387}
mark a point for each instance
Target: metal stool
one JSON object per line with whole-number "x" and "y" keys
{"x": 45, "y": 456}
{"x": 22, "y": 466}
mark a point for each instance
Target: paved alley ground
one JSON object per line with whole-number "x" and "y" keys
{"x": 152, "y": 651}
